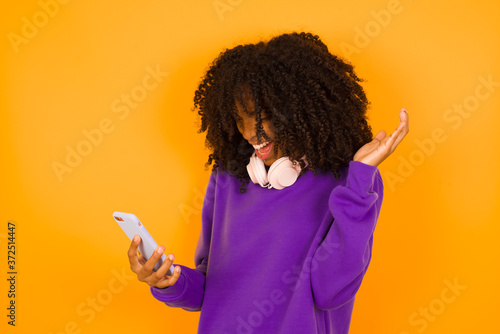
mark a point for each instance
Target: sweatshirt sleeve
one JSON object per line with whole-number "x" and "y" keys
{"x": 343, "y": 256}
{"x": 187, "y": 293}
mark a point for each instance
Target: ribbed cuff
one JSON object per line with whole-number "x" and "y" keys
{"x": 172, "y": 292}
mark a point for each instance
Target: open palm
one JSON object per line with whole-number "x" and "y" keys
{"x": 381, "y": 146}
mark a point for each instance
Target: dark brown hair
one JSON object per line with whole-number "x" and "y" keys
{"x": 313, "y": 99}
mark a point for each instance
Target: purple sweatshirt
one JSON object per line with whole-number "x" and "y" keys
{"x": 281, "y": 261}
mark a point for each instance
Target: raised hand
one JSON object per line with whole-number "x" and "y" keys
{"x": 381, "y": 146}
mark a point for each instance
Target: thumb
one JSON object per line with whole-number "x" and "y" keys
{"x": 380, "y": 135}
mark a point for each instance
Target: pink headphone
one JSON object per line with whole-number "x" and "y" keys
{"x": 282, "y": 173}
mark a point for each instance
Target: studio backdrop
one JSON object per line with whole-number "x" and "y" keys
{"x": 96, "y": 117}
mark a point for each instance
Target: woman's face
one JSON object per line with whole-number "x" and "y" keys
{"x": 247, "y": 127}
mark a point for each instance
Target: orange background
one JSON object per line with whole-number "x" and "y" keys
{"x": 66, "y": 77}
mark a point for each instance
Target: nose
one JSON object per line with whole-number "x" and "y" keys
{"x": 250, "y": 134}
{"x": 247, "y": 129}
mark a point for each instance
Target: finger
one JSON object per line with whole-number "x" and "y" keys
{"x": 407, "y": 120}
{"x": 162, "y": 271}
{"x": 399, "y": 128}
{"x": 147, "y": 268}
{"x": 380, "y": 135}
{"x": 404, "y": 118}
{"x": 404, "y": 131}
{"x": 142, "y": 259}
{"x": 391, "y": 142}
{"x": 132, "y": 253}
{"x": 171, "y": 281}
{"x": 403, "y": 123}
{"x": 405, "y": 128}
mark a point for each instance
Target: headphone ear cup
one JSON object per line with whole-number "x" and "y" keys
{"x": 257, "y": 171}
{"x": 283, "y": 173}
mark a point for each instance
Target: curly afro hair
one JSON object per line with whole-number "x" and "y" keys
{"x": 312, "y": 98}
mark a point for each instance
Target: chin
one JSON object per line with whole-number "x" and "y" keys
{"x": 270, "y": 161}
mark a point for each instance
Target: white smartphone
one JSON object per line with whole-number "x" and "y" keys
{"x": 131, "y": 225}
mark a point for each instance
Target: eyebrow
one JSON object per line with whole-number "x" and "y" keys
{"x": 248, "y": 113}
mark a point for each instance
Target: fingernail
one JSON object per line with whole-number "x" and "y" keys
{"x": 136, "y": 238}
{"x": 405, "y": 110}
{"x": 171, "y": 257}
{"x": 160, "y": 250}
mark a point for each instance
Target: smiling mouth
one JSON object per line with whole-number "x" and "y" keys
{"x": 257, "y": 147}
{"x": 265, "y": 150}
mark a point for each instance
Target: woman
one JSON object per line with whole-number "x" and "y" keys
{"x": 287, "y": 252}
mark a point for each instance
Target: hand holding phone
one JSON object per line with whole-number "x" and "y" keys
{"x": 144, "y": 269}
{"x": 151, "y": 265}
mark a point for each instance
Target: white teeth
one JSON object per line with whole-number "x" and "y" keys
{"x": 261, "y": 145}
